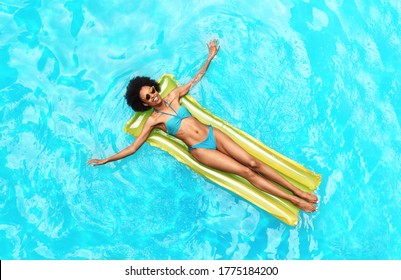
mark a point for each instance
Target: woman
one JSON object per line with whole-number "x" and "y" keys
{"x": 208, "y": 145}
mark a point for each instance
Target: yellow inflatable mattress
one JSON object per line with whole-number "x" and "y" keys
{"x": 295, "y": 173}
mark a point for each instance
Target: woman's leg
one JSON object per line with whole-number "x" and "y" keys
{"x": 227, "y": 146}
{"x": 223, "y": 162}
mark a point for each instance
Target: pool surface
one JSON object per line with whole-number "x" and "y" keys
{"x": 318, "y": 81}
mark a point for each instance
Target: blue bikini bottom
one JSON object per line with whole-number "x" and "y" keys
{"x": 208, "y": 143}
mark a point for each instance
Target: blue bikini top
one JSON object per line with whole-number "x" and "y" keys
{"x": 173, "y": 124}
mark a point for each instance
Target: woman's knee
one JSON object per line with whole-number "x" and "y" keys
{"x": 253, "y": 164}
{"x": 247, "y": 173}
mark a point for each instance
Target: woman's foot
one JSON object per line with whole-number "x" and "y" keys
{"x": 309, "y": 197}
{"x": 304, "y": 205}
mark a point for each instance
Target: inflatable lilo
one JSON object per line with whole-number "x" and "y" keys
{"x": 298, "y": 175}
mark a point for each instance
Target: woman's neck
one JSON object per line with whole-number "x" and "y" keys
{"x": 162, "y": 106}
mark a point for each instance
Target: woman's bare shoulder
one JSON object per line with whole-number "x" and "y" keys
{"x": 173, "y": 96}
{"x": 155, "y": 121}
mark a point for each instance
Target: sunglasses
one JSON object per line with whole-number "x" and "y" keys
{"x": 151, "y": 91}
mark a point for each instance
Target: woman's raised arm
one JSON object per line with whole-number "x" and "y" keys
{"x": 213, "y": 47}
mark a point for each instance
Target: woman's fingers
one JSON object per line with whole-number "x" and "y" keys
{"x": 94, "y": 162}
{"x": 213, "y": 42}
{"x": 213, "y": 46}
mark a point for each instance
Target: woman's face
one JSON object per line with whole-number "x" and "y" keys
{"x": 150, "y": 96}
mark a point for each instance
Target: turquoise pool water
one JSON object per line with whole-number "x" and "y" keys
{"x": 318, "y": 81}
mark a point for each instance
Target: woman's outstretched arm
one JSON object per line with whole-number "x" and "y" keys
{"x": 213, "y": 47}
{"x": 131, "y": 149}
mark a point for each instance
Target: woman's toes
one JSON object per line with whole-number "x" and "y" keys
{"x": 304, "y": 205}
{"x": 309, "y": 197}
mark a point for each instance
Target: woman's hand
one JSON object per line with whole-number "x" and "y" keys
{"x": 95, "y": 162}
{"x": 213, "y": 48}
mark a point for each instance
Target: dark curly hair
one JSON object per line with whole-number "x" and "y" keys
{"x": 132, "y": 94}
